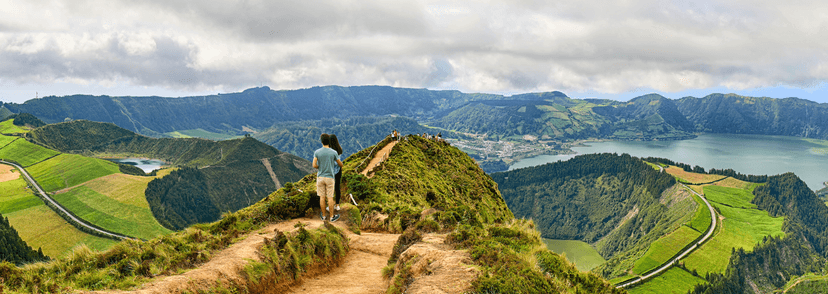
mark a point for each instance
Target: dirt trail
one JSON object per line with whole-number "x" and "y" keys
{"x": 225, "y": 265}
{"x": 360, "y": 273}
{"x": 378, "y": 158}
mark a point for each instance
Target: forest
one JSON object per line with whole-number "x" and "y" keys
{"x": 587, "y": 196}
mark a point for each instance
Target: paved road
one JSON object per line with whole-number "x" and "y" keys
{"x": 664, "y": 267}
{"x": 60, "y": 207}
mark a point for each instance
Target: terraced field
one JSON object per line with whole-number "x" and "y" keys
{"x": 68, "y": 170}
{"x": 25, "y": 153}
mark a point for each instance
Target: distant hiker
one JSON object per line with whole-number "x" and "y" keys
{"x": 324, "y": 159}
{"x": 392, "y": 134}
{"x": 440, "y": 137}
{"x": 337, "y": 174}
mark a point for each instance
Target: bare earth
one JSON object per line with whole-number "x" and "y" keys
{"x": 7, "y": 173}
{"x": 378, "y": 158}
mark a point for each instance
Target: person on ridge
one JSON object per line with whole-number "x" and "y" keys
{"x": 337, "y": 174}
{"x": 324, "y": 159}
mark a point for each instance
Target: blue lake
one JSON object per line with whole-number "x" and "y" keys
{"x": 147, "y": 165}
{"x": 747, "y": 154}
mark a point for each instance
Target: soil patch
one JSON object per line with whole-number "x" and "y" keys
{"x": 8, "y": 173}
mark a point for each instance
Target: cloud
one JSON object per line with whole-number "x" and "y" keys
{"x": 491, "y": 46}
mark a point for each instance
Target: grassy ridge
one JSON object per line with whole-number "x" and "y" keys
{"x": 111, "y": 214}
{"x": 67, "y": 170}
{"x": 26, "y": 153}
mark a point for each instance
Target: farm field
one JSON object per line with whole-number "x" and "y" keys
{"x": 111, "y": 214}
{"x": 8, "y": 127}
{"x": 67, "y": 170}
{"x": 691, "y": 177}
{"x": 665, "y": 248}
{"x": 739, "y": 198}
{"x": 5, "y": 140}
{"x": 50, "y": 232}
{"x": 26, "y": 153}
{"x": 741, "y": 227}
{"x": 580, "y": 253}
{"x": 200, "y": 133}
{"x": 674, "y": 280}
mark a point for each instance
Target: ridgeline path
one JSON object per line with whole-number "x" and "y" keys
{"x": 378, "y": 159}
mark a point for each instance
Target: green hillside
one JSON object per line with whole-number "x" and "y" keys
{"x": 224, "y": 175}
{"x": 420, "y": 175}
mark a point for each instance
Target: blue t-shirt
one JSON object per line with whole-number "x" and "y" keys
{"x": 336, "y": 166}
{"x": 326, "y": 159}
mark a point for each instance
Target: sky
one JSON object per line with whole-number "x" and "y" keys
{"x": 586, "y": 49}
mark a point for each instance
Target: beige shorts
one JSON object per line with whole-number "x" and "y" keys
{"x": 325, "y": 187}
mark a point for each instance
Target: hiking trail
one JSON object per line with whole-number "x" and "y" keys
{"x": 381, "y": 156}
{"x": 435, "y": 267}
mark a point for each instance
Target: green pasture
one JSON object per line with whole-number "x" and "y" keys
{"x": 39, "y": 226}
{"x": 200, "y": 133}
{"x": 5, "y": 140}
{"x": 665, "y": 248}
{"x": 16, "y": 196}
{"x": 734, "y": 197}
{"x": 701, "y": 221}
{"x": 8, "y": 127}
{"x": 674, "y": 280}
{"x": 741, "y": 228}
{"x": 67, "y": 170}
{"x": 26, "y": 153}
{"x": 579, "y": 253}
{"x": 111, "y": 214}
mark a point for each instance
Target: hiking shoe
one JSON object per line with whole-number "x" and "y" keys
{"x": 322, "y": 216}
{"x": 334, "y": 218}
{"x": 337, "y": 207}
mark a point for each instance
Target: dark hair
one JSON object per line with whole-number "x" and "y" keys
{"x": 335, "y": 144}
{"x": 326, "y": 139}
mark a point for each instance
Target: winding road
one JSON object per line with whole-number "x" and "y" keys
{"x": 65, "y": 212}
{"x": 667, "y": 265}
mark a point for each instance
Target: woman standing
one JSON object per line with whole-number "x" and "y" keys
{"x": 337, "y": 173}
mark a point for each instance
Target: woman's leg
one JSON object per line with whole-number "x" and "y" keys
{"x": 337, "y": 190}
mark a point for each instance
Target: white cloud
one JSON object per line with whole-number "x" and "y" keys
{"x": 485, "y": 46}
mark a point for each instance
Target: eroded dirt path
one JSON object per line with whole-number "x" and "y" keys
{"x": 378, "y": 158}
{"x": 360, "y": 273}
